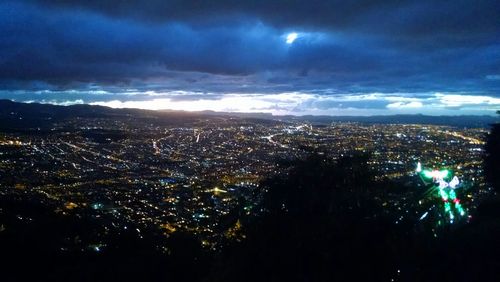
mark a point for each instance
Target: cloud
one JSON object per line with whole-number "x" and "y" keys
{"x": 493, "y": 77}
{"x": 403, "y": 105}
{"x": 348, "y": 58}
{"x": 222, "y": 46}
{"x": 416, "y": 18}
{"x": 64, "y": 103}
{"x": 298, "y": 103}
{"x": 457, "y": 101}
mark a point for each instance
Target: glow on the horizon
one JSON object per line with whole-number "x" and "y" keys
{"x": 288, "y": 103}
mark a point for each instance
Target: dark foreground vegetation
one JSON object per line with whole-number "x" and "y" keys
{"x": 322, "y": 222}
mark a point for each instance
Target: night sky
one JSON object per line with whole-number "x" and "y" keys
{"x": 283, "y": 57}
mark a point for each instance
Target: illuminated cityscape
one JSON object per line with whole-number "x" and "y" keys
{"x": 187, "y": 176}
{"x": 251, "y": 140}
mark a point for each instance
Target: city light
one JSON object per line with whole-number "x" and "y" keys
{"x": 445, "y": 190}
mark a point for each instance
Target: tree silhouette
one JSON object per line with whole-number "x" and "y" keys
{"x": 319, "y": 224}
{"x": 322, "y": 222}
{"x": 492, "y": 157}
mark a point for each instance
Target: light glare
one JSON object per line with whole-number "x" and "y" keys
{"x": 291, "y": 37}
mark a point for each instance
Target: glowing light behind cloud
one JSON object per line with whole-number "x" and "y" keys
{"x": 291, "y": 37}
{"x": 293, "y": 103}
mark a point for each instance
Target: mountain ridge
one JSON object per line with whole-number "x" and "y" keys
{"x": 24, "y": 113}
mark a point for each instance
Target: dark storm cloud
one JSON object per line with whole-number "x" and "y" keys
{"x": 445, "y": 21}
{"x": 239, "y": 46}
{"x": 79, "y": 45}
{"x": 417, "y": 17}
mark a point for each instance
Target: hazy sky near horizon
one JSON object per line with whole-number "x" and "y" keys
{"x": 285, "y": 57}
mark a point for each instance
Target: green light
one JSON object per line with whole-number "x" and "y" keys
{"x": 447, "y": 207}
{"x": 443, "y": 173}
{"x": 445, "y": 190}
{"x": 435, "y": 173}
{"x": 427, "y": 173}
{"x": 443, "y": 195}
{"x": 453, "y": 196}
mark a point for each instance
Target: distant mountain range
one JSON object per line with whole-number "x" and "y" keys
{"x": 15, "y": 115}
